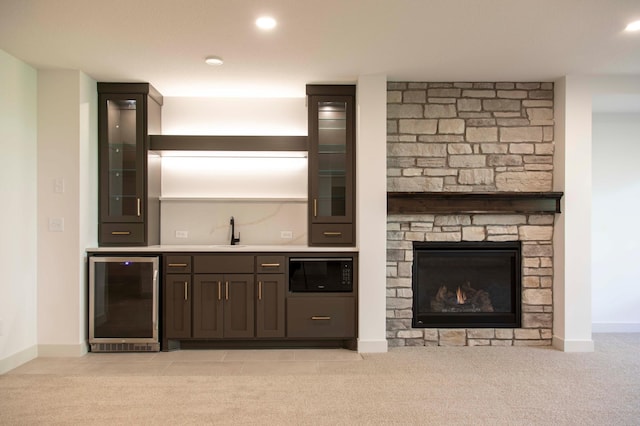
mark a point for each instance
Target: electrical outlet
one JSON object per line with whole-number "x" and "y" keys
{"x": 56, "y": 224}
{"x": 182, "y": 234}
{"x": 286, "y": 234}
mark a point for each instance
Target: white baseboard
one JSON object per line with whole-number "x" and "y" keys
{"x": 615, "y": 327}
{"x": 572, "y": 345}
{"x": 372, "y": 346}
{"x": 62, "y": 350}
{"x": 17, "y": 359}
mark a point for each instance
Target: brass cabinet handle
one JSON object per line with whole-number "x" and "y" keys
{"x": 314, "y": 318}
{"x": 315, "y": 207}
{"x": 332, "y": 234}
{"x": 121, "y": 233}
{"x": 270, "y": 265}
{"x": 177, "y": 265}
{"x": 226, "y": 290}
{"x": 139, "y": 206}
{"x": 219, "y": 290}
{"x": 186, "y": 294}
{"x": 259, "y": 290}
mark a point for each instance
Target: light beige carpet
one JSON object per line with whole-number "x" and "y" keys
{"x": 421, "y": 386}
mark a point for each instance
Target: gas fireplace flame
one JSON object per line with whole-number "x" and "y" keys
{"x": 461, "y": 296}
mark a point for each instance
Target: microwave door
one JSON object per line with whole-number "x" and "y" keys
{"x": 316, "y": 275}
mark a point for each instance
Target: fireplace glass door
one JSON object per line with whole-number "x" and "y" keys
{"x": 467, "y": 284}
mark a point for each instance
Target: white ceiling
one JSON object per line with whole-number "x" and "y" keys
{"x": 165, "y": 42}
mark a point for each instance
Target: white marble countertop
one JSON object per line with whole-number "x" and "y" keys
{"x": 218, "y": 248}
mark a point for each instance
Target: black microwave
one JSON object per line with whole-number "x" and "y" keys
{"x": 321, "y": 274}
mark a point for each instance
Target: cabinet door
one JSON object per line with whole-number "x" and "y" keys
{"x": 122, "y": 157}
{"x": 238, "y": 305}
{"x": 207, "y": 306}
{"x": 177, "y": 303}
{"x": 331, "y": 159}
{"x": 270, "y": 305}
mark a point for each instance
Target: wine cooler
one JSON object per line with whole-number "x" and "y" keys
{"x": 123, "y": 304}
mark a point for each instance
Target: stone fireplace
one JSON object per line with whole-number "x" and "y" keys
{"x": 487, "y": 149}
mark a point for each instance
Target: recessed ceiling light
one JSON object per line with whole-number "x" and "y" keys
{"x": 266, "y": 23}
{"x": 213, "y": 60}
{"x": 634, "y": 26}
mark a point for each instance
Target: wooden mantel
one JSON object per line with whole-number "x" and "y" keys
{"x": 473, "y": 202}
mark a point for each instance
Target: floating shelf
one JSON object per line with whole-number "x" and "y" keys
{"x": 162, "y": 143}
{"x": 240, "y": 200}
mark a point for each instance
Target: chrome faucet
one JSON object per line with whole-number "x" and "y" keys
{"x": 234, "y": 240}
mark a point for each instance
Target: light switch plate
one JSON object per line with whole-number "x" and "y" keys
{"x": 58, "y": 185}
{"x": 56, "y": 224}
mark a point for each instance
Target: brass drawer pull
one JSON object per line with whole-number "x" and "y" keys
{"x": 320, "y": 318}
{"x": 186, "y": 294}
{"x": 270, "y": 265}
{"x": 226, "y": 290}
{"x": 332, "y": 234}
{"x": 139, "y": 209}
{"x": 219, "y": 290}
{"x": 259, "y": 290}
{"x": 121, "y": 233}
{"x": 315, "y": 207}
{"x": 177, "y": 265}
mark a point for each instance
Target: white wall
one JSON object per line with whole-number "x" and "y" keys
{"x": 234, "y": 116}
{"x": 615, "y": 234}
{"x": 371, "y": 211}
{"x": 66, "y": 152}
{"x": 573, "y": 230}
{"x": 18, "y": 186}
{"x": 572, "y": 236}
{"x": 87, "y": 188}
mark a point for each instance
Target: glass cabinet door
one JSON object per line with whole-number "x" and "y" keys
{"x": 122, "y": 154}
{"x": 333, "y": 152}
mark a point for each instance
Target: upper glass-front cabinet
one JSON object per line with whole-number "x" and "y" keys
{"x": 331, "y": 164}
{"x": 129, "y": 174}
{"x": 123, "y": 155}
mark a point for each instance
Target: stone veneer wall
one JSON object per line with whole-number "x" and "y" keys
{"x": 470, "y": 137}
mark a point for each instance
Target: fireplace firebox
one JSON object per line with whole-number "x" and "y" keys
{"x": 467, "y": 284}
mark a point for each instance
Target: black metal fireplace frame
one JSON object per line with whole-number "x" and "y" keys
{"x": 511, "y": 319}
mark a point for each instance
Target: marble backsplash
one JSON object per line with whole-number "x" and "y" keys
{"x": 259, "y": 222}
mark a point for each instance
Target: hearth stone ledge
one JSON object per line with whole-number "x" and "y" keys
{"x": 534, "y": 230}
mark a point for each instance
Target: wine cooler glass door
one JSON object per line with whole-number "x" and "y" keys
{"x": 123, "y": 300}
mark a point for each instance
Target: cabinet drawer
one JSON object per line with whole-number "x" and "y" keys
{"x": 223, "y": 264}
{"x": 330, "y": 234}
{"x": 122, "y": 233}
{"x": 331, "y": 317}
{"x": 270, "y": 264}
{"x": 174, "y": 264}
